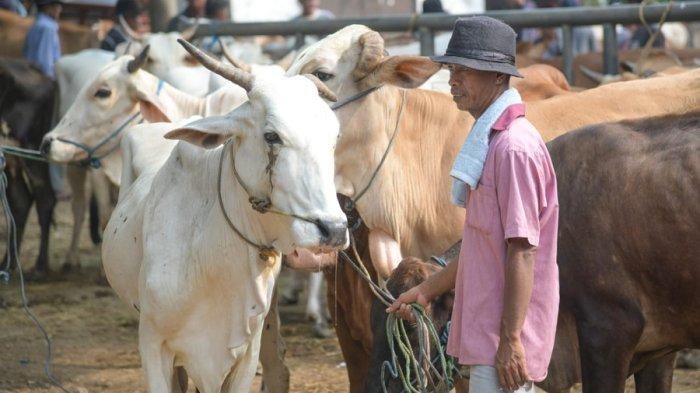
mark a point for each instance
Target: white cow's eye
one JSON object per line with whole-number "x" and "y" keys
{"x": 103, "y": 93}
{"x": 323, "y": 76}
{"x": 272, "y": 138}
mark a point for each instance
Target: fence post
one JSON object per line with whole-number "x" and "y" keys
{"x": 427, "y": 41}
{"x": 610, "y": 60}
{"x": 568, "y": 53}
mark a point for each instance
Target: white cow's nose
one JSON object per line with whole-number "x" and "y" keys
{"x": 333, "y": 233}
{"x": 45, "y": 146}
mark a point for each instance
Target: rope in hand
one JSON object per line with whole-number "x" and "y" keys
{"x": 5, "y": 274}
{"x": 415, "y": 373}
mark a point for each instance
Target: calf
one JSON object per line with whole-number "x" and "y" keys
{"x": 26, "y": 104}
{"x": 409, "y": 273}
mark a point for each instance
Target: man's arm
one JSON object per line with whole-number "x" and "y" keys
{"x": 510, "y": 358}
{"x": 434, "y": 286}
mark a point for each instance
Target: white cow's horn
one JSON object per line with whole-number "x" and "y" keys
{"x": 598, "y": 77}
{"x": 128, "y": 30}
{"x": 188, "y": 33}
{"x": 232, "y": 59}
{"x": 323, "y": 90}
{"x": 239, "y": 77}
{"x": 138, "y": 61}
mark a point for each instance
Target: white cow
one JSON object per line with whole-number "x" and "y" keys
{"x": 202, "y": 291}
{"x": 72, "y": 73}
{"x": 119, "y": 91}
{"x": 168, "y": 60}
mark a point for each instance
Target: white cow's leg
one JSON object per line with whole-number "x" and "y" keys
{"x": 272, "y": 349}
{"x": 241, "y": 376}
{"x": 101, "y": 189}
{"x": 385, "y": 252}
{"x": 290, "y": 294}
{"x": 157, "y": 360}
{"x": 76, "y": 180}
{"x": 314, "y": 307}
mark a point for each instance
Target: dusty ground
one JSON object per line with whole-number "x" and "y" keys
{"x": 94, "y": 333}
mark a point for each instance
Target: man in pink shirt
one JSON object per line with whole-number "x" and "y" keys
{"x": 506, "y": 278}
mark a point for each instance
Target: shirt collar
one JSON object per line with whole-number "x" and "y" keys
{"x": 508, "y": 116}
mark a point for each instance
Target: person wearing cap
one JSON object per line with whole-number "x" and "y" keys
{"x": 135, "y": 16}
{"x": 506, "y": 279}
{"x": 41, "y": 46}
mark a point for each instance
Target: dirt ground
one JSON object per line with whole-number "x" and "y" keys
{"x": 95, "y": 335}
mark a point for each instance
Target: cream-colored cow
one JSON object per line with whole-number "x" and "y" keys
{"x": 201, "y": 289}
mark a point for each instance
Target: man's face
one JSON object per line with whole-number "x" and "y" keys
{"x": 53, "y": 10}
{"x": 474, "y": 90}
{"x": 310, "y": 6}
{"x": 198, "y": 4}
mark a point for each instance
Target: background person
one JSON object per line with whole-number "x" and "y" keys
{"x": 135, "y": 15}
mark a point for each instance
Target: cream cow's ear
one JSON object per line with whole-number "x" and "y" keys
{"x": 209, "y": 132}
{"x": 408, "y": 72}
{"x": 151, "y": 107}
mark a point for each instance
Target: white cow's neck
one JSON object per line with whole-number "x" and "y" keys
{"x": 248, "y": 221}
{"x": 176, "y": 103}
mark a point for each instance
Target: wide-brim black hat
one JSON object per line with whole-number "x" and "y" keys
{"x": 481, "y": 43}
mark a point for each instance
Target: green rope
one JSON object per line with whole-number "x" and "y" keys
{"x": 412, "y": 374}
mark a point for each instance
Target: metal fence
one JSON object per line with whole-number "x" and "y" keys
{"x": 428, "y": 24}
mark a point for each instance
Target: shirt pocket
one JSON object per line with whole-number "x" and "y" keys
{"x": 482, "y": 209}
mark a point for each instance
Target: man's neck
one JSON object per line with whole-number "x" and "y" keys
{"x": 478, "y": 112}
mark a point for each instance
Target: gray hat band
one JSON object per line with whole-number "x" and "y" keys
{"x": 477, "y": 54}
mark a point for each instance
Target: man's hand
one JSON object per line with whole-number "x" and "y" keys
{"x": 510, "y": 364}
{"x": 402, "y": 304}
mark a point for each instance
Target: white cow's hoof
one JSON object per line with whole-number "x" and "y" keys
{"x": 322, "y": 330}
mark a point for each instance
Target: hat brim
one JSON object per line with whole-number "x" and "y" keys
{"x": 481, "y": 65}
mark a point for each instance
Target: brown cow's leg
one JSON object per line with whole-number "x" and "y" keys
{"x": 656, "y": 376}
{"x": 356, "y": 359}
{"x": 20, "y": 200}
{"x": 45, "y": 201}
{"x": 607, "y": 338}
{"x": 272, "y": 349}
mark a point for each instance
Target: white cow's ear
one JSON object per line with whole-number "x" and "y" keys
{"x": 408, "y": 72}
{"x": 151, "y": 109}
{"x": 208, "y": 133}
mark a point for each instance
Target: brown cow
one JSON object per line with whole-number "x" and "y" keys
{"x": 628, "y": 253}
{"x": 73, "y": 37}
{"x": 658, "y": 60}
{"x": 539, "y": 82}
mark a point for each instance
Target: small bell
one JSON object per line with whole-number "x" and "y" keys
{"x": 266, "y": 254}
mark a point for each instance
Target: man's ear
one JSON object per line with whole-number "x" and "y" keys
{"x": 151, "y": 108}
{"x": 403, "y": 71}
{"x": 210, "y": 132}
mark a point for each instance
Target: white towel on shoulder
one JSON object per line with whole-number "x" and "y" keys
{"x": 469, "y": 163}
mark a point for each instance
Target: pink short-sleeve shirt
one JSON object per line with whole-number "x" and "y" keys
{"x": 516, "y": 197}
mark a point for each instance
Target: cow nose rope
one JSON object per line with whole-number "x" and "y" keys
{"x": 5, "y": 275}
{"x": 261, "y": 205}
{"x": 95, "y": 161}
{"x": 352, "y": 202}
